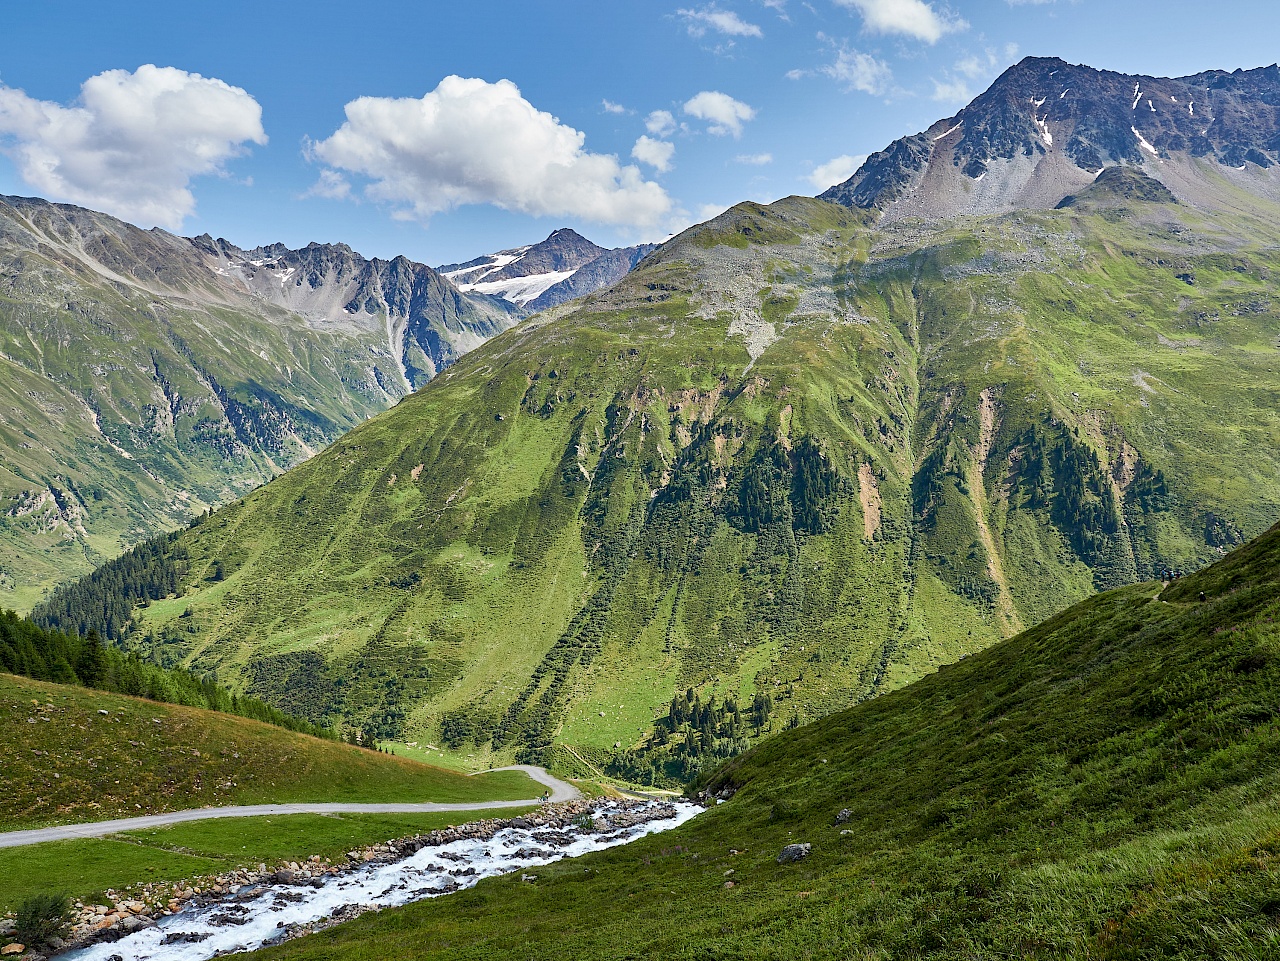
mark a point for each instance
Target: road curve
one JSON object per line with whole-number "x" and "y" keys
{"x": 560, "y": 791}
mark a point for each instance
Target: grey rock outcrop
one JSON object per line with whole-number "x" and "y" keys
{"x": 794, "y": 852}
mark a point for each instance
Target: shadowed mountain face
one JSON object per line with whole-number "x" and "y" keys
{"x": 145, "y": 377}
{"x": 797, "y": 458}
{"x": 1045, "y": 128}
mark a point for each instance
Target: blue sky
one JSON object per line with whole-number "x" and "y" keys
{"x": 323, "y": 121}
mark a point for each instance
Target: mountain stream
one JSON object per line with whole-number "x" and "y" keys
{"x": 263, "y": 914}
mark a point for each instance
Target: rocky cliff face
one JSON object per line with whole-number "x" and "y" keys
{"x": 1046, "y": 128}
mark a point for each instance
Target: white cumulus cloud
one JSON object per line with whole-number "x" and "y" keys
{"x": 724, "y": 115}
{"x": 952, "y": 90}
{"x": 701, "y": 20}
{"x": 610, "y": 107}
{"x": 332, "y": 185}
{"x": 860, "y": 71}
{"x": 660, "y": 123}
{"x": 911, "y": 18}
{"x": 836, "y": 170}
{"x": 474, "y": 142}
{"x": 132, "y": 142}
{"x": 755, "y": 159}
{"x": 656, "y": 153}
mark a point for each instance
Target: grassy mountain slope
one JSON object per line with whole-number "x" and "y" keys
{"x": 138, "y": 386}
{"x": 1101, "y": 786}
{"x": 794, "y": 455}
{"x": 66, "y": 761}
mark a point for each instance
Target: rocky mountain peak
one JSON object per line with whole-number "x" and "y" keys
{"x": 427, "y": 321}
{"x": 563, "y": 266}
{"x": 1046, "y": 127}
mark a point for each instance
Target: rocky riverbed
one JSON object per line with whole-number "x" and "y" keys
{"x": 247, "y": 909}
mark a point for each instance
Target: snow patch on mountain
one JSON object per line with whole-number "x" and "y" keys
{"x": 521, "y": 291}
{"x": 560, "y": 268}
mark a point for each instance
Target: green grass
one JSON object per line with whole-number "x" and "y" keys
{"x": 1105, "y": 785}
{"x": 87, "y": 868}
{"x": 65, "y": 762}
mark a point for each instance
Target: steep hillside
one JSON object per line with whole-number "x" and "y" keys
{"x": 1046, "y": 128}
{"x": 145, "y": 377}
{"x": 796, "y": 459}
{"x": 74, "y": 755}
{"x": 1103, "y": 786}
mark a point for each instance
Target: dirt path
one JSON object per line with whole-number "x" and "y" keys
{"x": 560, "y": 791}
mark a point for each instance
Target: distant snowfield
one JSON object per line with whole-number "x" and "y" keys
{"x": 518, "y": 290}
{"x": 521, "y": 291}
{"x": 480, "y": 271}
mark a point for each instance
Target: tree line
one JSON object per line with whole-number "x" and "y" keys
{"x": 694, "y": 734}
{"x": 104, "y": 601}
{"x": 42, "y": 654}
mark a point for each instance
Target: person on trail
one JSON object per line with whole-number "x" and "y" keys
{"x": 546, "y": 796}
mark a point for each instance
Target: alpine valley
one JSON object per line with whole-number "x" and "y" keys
{"x": 147, "y": 377}
{"x": 801, "y": 455}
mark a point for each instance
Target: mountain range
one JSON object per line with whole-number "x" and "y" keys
{"x": 801, "y": 455}
{"x": 924, "y": 531}
{"x": 147, "y": 377}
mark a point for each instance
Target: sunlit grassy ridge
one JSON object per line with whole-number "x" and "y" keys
{"x": 1103, "y": 786}
{"x": 65, "y": 761}
{"x": 795, "y": 454}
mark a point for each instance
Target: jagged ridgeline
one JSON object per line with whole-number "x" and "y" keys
{"x": 795, "y": 459}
